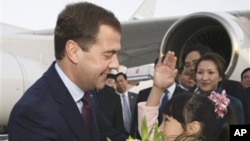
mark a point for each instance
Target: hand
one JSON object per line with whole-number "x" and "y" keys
{"x": 165, "y": 71}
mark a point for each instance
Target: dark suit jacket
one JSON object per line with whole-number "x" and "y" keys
{"x": 110, "y": 105}
{"x": 235, "y": 89}
{"x": 132, "y": 101}
{"x": 143, "y": 96}
{"x": 47, "y": 111}
{"x": 248, "y": 103}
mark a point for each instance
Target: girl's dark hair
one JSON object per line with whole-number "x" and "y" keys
{"x": 189, "y": 107}
{"x": 224, "y": 124}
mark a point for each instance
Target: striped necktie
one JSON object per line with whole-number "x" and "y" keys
{"x": 126, "y": 113}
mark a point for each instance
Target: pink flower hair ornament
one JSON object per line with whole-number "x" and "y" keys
{"x": 221, "y": 102}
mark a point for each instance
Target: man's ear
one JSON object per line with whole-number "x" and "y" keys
{"x": 193, "y": 128}
{"x": 71, "y": 50}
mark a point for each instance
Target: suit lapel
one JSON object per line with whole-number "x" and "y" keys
{"x": 131, "y": 99}
{"x": 69, "y": 108}
{"x": 74, "y": 121}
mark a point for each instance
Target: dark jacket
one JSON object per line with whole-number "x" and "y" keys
{"x": 110, "y": 105}
{"x": 47, "y": 111}
{"x": 235, "y": 105}
{"x": 235, "y": 89}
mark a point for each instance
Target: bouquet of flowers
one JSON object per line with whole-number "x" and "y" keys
{"x": 146, "y": 133}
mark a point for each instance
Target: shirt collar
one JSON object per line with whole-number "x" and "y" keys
{"x": 73, "y": 89}
{"x": 171, "y": 90}
{"x": 126, "y": 93}
{"x": 183, "y": 87}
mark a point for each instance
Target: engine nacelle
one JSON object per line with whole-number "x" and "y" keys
{"x": 226, "y": 34}
{"x": 16, "y": 75}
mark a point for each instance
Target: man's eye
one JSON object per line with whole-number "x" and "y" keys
{"x": 108, "y": 55}
{"x": 187, "y": 65}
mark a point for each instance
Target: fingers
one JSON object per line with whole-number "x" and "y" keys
{"x": 170, "y": 59}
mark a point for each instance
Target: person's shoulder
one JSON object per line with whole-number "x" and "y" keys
{"x": 108, "y": 91}
{"x": 230, "y": 82}
{"x": 233, "y": 87}
{"x": 178, "y": 89}
{"x": 35, "y": 97}
{"x": 234, "y": 100}
{"x": 132, "y": 93}
{"x": 248, "y": 90}
{"x": 146, "y": 90}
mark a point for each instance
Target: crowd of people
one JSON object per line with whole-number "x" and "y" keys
{"x": 78, "y": 98}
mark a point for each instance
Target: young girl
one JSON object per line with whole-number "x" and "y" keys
{"x": 186, "y": 116}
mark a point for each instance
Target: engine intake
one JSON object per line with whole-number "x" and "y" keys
{"x": 224, "y": 33}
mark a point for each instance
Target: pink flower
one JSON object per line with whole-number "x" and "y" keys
{"x": 221, "y": 102}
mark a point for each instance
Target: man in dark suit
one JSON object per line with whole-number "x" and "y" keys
{"x": 56, "y": 107}
{"x": 173, "y": 90}
{"x": 235, "y": 89}
{"x": 110, "y": 103}
{"x": 245, "y": 77}
{"x": 184, "y": 79}
{"x": 128, "y": 99}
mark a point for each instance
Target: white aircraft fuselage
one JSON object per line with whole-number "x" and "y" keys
{"x": 26, "y": 55}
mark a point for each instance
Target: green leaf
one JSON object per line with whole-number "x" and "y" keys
{"x": 129, "y": 138}
{"x": 158, "y": 135}
{"x": 144, "y": 130}
{"x": 108, "y": 139}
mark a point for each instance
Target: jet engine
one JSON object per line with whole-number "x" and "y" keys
{"x": 225, "y": 33}
{"x": 16, "y": 75}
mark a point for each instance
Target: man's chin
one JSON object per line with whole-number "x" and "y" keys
{"x": 100, "y": 86}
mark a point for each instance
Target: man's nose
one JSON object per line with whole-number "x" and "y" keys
{"x": 114, "y": 64}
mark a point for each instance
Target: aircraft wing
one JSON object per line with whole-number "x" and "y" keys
{"x": 141, "y": 40}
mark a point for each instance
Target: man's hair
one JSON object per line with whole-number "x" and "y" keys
{"x": 112, "y": 76}
{"x": 80, "y": 22}
{"x": 244, "y": 71}
{"x": 121, "y": 73}
{"x": 202, "y": 49}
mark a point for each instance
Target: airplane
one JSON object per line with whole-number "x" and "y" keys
{"x": 227, "y": 33}
{"x": 144, "y": 11}
{"x": 26, "y": 55}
